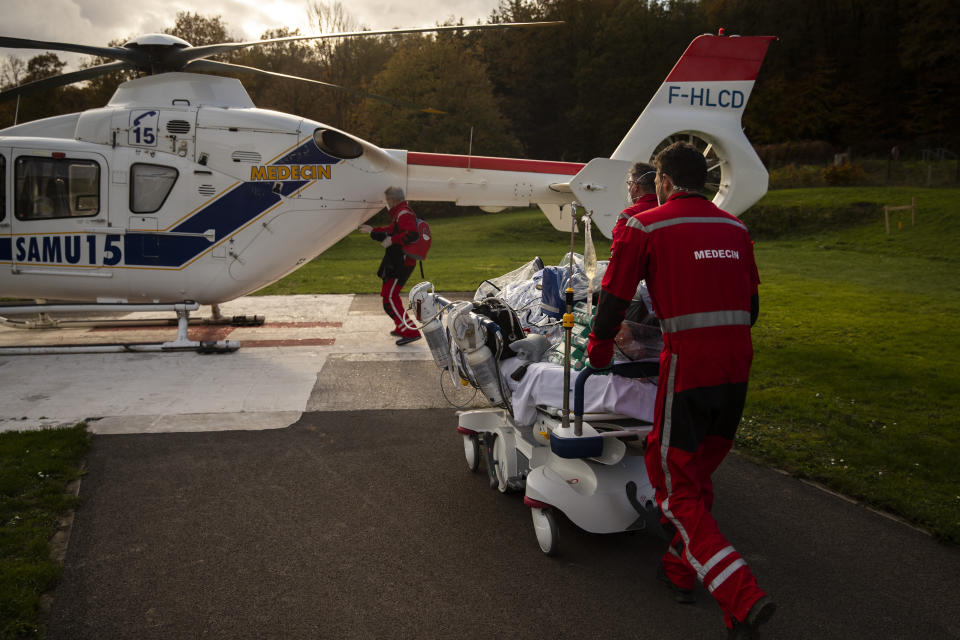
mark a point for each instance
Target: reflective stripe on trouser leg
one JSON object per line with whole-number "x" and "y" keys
{"x": 397, "y": 311}
{"x": 705, "y": 551}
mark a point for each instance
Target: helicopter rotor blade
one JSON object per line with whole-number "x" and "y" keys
{"x": 65, "y": 79}
{"x": 114, "y": 53}
{"x": 194, "y": 53}
{"x": 207, "y": 66}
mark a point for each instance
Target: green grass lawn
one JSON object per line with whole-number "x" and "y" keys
{"x": 465, "y": 251}
{"x": 855, "y": 377}
{"x": 855, "y": 380}
{"x": 35, "y": 468}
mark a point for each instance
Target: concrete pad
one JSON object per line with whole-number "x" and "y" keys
{"x": 72, "y": 388}
{"x": 350, "y": 382}
{"x": 272, "y": 377}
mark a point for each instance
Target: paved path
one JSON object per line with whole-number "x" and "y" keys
{"x": 354, "y": 516}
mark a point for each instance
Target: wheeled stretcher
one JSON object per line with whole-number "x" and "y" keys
{"x": 588, "y": 465}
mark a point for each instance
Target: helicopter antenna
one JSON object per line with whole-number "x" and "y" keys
{"x": 470, "y": 149}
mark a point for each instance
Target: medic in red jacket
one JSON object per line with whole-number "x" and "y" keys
{"x": 396, "y": 266}
{"x": 643, "y": 195}
{"x": 700, "y": 271}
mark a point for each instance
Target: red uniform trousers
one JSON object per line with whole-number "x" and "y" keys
{"x": 396, "y": 267}
{"x": 693, "y": 432}
{"x": 394, "y": 307}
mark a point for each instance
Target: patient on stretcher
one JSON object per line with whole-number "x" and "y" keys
{"x": 532, "y": 367}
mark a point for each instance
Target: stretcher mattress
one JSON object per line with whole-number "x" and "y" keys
{"x": 542, "y": 384}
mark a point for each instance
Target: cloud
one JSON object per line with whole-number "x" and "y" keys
{"x": 98, "y": 22}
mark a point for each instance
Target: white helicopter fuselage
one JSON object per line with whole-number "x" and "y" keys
{"x": 198, "y": 195}
{"x": 180, "y": 189}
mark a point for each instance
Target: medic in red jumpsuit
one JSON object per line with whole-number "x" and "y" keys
{"x": 396, "y": 266}
{"x": 700, "y": 271}
{"x": 642, "y": 195}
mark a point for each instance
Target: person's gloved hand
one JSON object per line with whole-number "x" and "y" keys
{"x": 599, "y": 353}
{"x": 387, "y": 242}
{"x": 364, "y": 228}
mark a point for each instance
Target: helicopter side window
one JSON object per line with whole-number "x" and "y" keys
{"x": 150, "y": 184}
{"x": 48, "y": 188}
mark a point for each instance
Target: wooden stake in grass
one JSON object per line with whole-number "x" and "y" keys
{"x": 913, "y": 214}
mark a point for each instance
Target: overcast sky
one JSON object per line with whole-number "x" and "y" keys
{"x": 97, "y": 22}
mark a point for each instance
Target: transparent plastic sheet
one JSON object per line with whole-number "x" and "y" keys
{"x": 579, "y": 268}
{"x": 494, "y": 286}
{"x": 639, "y": 341}
{"x": 521, "y": 290}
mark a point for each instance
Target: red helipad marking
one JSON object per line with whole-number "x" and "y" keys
{"x": 208, "y": 334}
{"x": 143, "y": 327}
{"x": 200, "y": 332}
{"x": 307, "y": 325}
{"x": 305, "y": 342}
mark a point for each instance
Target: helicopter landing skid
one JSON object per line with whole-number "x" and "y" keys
{"x": 181, "y": 343}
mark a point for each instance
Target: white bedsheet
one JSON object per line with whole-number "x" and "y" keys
{"x": 543, "y": 384}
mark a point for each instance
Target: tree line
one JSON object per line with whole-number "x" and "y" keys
{"x": 844, "y": 74}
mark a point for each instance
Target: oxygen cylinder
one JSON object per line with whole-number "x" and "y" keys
{"x": 423, "y": 302}
{"x": 437, "y": 341}
{"x": 485, "y": 372}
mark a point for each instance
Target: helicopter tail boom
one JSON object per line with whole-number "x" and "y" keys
{"x": 486, "y": 182}
{"x": 703, "y": 97}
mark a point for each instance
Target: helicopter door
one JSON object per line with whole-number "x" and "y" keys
{"x": 6, "y": 242}
{"x": 59, "y": 218}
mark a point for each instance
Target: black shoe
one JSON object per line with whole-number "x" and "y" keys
{"x": 407, "y": 340}
{"x": 395, "y": 333}
{"x": 761, "y": 611}
{"x": 683, "y": 596}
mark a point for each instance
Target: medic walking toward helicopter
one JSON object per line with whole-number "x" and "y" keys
{"x": 396, "y": 266}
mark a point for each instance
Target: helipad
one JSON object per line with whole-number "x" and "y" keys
{"x": 330, "y": 352}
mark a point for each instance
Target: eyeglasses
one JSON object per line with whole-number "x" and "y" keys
{"x": 632, "y": 181}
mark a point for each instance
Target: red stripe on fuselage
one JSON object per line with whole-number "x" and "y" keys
{"x": 494, "y": 164}
{"x": 721, "y": 58}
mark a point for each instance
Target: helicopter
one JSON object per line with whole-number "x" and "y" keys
{"x": 180, "y": 191}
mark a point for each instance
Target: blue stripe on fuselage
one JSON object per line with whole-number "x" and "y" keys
{"x": 225, "y": 215}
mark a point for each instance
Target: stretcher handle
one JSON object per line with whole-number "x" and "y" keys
{"x": 623, "y": 369}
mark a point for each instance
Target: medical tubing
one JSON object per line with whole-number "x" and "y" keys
{"x": 453, "y": 404}
{"x": 444, "y": 305}
{"x": 504, "y": 391}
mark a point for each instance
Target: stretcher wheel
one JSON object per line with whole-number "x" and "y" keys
{"x": 471, "y": 450}
{"x": 545, "y": 526}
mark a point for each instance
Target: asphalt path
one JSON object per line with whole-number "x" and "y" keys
{"x": 367, "y": 524}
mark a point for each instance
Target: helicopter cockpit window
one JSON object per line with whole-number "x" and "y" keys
{"x": 150, "y": 185}
{"x": 337, "y": 144}
{"x": 56, "y": 188}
